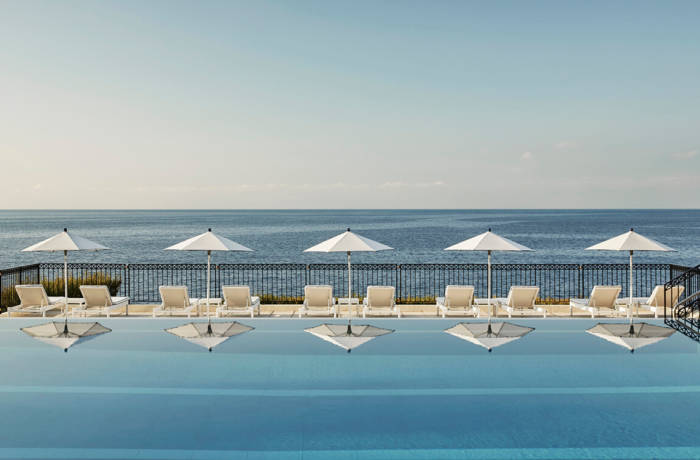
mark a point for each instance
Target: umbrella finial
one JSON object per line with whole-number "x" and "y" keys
{"x": 490, "y": 350}
{"x": 631, "y": 229}
{"x": 209, "y": 230}
{"x": 65, "y": 229}
{"x": 65, "y": 350}
{"x": 489, "y": 229}
{"x": 209, "y": 349}
{"x": 349, "y": 350}
{"x": 348, "y": 228}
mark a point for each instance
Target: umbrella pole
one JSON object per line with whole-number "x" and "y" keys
{"x": 631, "y": 313}
{"x": 349, "y": 290}
{"x": 208, "y": 281}
{"x": 488, "y": 287}
{"x": 65, "y": 283}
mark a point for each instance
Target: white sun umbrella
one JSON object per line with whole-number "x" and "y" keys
{"x": 347, "y": 336}
{"x": 64, "y": 242}
{"x": 211, "y": 334}
{"x": 489, "y": 335}
{"x": 488, "y": 241}
{"x": 208, "y": 241}
{"x": 64, "y": 334}
{"x": 348, "y": 242}
{"x": 632, "y": 336}
{"x": 630, "y": 241}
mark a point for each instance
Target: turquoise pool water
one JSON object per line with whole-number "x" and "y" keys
{"x": 278, "y": 392}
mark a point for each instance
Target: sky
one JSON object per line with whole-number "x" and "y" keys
{"x": 332, "y": 104}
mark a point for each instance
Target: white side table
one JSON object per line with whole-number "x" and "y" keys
{"x": 349, "y": 301}
{"x": 216, "y": 301}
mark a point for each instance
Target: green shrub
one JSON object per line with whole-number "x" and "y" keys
{"x": 54, "y": 288}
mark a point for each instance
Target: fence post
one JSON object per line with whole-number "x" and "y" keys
{"x": 1, "y": 305}
{"x": 127, "y": 290}
{"x": 398, "y": 282}
{"x": 581, "y": 281}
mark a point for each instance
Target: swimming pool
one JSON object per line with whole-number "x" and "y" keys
{"x": 278, "y": 392}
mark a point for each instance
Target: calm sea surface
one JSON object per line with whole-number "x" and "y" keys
{"x": 419, "y": 236}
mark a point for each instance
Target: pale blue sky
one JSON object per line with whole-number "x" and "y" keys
{"x": 349, "y": 104}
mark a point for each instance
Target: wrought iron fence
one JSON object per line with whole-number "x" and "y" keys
{"x": 685, "y": 314}
{"x": 284, "y": 283}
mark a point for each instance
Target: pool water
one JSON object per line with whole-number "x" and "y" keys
{"x": 278, "y": 392}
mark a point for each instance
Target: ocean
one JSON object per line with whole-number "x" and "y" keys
{"x": 418, "y": 236}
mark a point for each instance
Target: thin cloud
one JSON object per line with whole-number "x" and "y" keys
{"x": 685, "y": 155}
{"x": 399, "y": 184}
{"x": 563, "y": 145}
{"x": 527, "y": 156}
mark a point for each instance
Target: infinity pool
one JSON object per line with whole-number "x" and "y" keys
{"x": 278, "y": 392}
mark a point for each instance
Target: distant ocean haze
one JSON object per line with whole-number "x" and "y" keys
{"x": 418, "y": 236}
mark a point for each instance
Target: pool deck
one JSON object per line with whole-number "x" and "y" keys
{"x": 407, "y": 311}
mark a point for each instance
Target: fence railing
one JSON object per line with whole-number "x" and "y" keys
{"x": 684, "y": 315}
{"x": 284, "y": 283}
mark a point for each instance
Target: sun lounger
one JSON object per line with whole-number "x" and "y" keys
{"x": 458, "y": 299}
{"x": 655, "y": 302}
{"x": 33, "y": 299}
{"x": 601, "y": 297}
{"x": 175, "y": 300}
{"x": 96, "y": 299}
{"x": 380, "y": 301}
{"x": 521, "y": 298}
{"x": 237, "y": 299}
{"x": 318, "y": 299}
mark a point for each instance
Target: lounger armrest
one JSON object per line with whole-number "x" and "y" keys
{"x": 440, "y": 301}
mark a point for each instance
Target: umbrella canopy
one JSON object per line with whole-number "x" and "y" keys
{"x": 347, "y": 336}
{"x": 630, "y": 241}
{"x": 348, "y": 242}
{"x": 489, "y": 335}
{"x": 488, "y": 241}
{"x": 65, "y": 241}
{"x": 64, "y": 334}
{"x": 631, "y": 336}
{"x": 208, "y": 241}
{"x": 209, "y": 335}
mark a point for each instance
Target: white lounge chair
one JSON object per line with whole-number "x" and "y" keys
{"x": 655, "y": 302}
{"x": 175, "y": 300}
{"x": 318, "y": 299}
{"x": 521, "y": 298}
{"x": 380, "y": 300}
{"x": 33, "y": 299}
{"x": 237, "y": 299}
{"x": 459, "y": 299}
{"x": 96, "y": 299}
{"x": 601, "y": 297}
